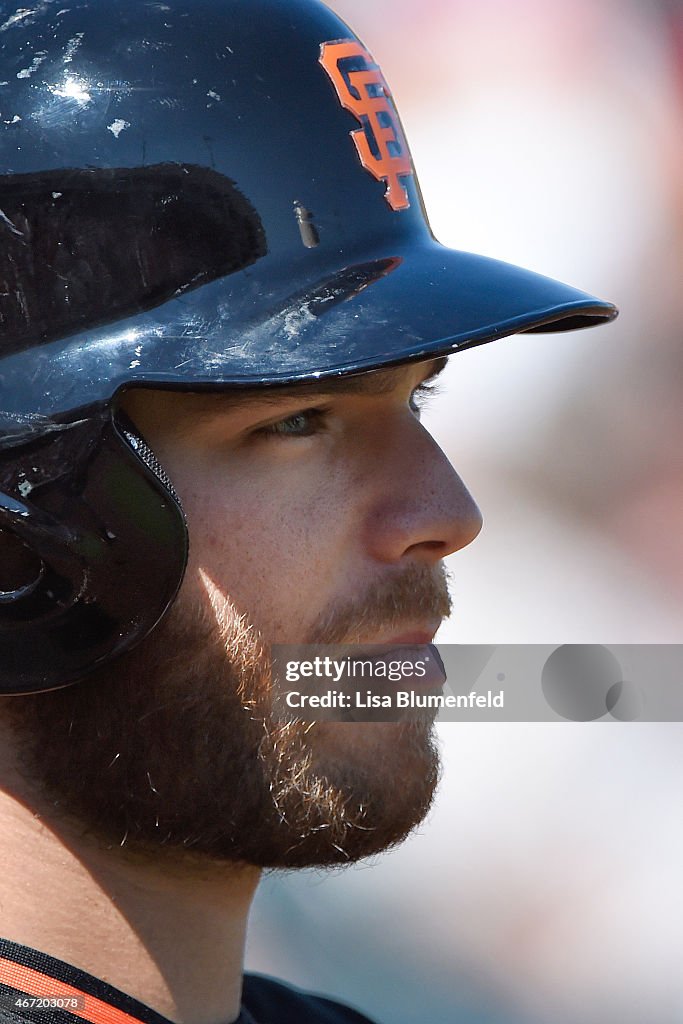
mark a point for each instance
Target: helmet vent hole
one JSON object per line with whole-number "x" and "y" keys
{"x": 21, "y": 570}
{"x": 309, "y": 232}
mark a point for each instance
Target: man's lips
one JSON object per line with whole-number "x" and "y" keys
{"x": 420, "y": 672}
{"x": 409, "y": 649}
{"x": 403, "y": 644}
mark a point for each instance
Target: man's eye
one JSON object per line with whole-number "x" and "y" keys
{"x": 300, "y": 424}
{"x": 422, "y": 395}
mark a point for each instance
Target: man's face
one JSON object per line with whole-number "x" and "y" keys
{"x": 314, "y": 516}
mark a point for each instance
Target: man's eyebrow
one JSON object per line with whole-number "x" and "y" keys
{"x": 369, "y": 382}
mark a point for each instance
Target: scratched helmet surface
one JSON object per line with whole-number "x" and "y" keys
{"x": 195, "y": 194}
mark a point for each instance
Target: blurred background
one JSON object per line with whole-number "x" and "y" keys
{"x": 546, "y": 884}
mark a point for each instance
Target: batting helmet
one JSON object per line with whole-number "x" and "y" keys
{"x": 194, "y": 194}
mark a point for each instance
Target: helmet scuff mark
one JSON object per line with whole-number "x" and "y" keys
{"x": 18, "y": 428}
{"x": 117, "y": 126}
{"x": 34, "y": 65}
{"x": 13, "y": 228}
{"x": 21, "y": 15}
{"x": 72, "y": 46}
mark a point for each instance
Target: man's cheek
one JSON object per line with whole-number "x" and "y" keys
{"x": 221, "y": 607}
{"x": 277, "y": 603}
{"x": 278, "y": 563}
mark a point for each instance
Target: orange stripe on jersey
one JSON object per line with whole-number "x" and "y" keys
{"x": 42, "y": 986}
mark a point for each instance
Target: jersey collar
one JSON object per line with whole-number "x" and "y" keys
{"x": 33, "y": 985}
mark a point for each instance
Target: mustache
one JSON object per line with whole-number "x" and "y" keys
{"x": 418, "y": 592}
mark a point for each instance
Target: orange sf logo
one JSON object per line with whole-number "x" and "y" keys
{"x": 361, "y": 89}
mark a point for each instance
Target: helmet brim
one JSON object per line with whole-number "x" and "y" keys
{"x": 425, "y": 302}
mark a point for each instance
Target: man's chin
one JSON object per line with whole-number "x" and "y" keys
{"x": 394, "y": 748}
{"x": 331, "y": 795}
{"x": 375, "y": 782}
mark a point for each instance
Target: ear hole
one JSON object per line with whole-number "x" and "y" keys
{"x": 21, "y": 570}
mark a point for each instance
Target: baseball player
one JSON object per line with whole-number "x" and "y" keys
{"x": 221, "y": 307}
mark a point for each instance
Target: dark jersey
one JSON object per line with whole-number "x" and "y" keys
{"x": 38, "y": 989}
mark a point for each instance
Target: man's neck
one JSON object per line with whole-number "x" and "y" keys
{"x": 169, "y": 934}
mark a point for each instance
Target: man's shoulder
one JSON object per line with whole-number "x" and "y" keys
{"x": 272, "y": 1002}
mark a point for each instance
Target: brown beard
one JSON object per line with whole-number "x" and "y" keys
{"x": 173, "y": 748}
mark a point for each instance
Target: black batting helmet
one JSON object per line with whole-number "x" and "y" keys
{"x": 194, "y": 194}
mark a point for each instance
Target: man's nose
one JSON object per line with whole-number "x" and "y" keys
{"x": 423, "y": 510}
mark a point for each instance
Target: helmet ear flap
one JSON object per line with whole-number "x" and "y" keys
{"x": 73, "y": 598}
